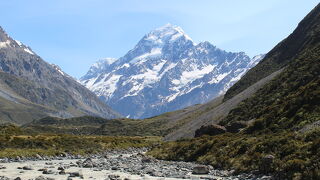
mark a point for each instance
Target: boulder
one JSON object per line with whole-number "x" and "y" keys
{"x": 114, "y": 168}
{"x": 62, "y": 172}
{"x": 114, "y": 177}
{"x": 27, "y": 168}
{"x": 18, "y": 159}
{"x": 88, "y": 163}
{"x": 210, "y": 130}
{"x": 46, "y": 171}
{"x": 201, "y": 169}
{"x": 38, "y": 157}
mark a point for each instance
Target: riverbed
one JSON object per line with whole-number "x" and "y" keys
{"x": 113, "y": 165}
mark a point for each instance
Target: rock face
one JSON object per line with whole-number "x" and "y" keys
{"x": 210, "y": 130}
{"x": 166, "y": 71}
{"x": 28, "y": 82}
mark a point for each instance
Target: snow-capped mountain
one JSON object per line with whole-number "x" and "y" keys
{"x": 166, "y": 71}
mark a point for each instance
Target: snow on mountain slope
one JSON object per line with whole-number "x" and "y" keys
{"x": 166, "y": 71}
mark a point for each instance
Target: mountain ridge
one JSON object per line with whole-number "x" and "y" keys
{"x": 38, "y": 82}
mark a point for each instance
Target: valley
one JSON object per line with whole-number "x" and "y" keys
{"x": 169, "y": 108}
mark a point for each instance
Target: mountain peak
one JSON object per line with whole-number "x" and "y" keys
{"x": 166, "y": 33}
{"x": 164, "y": 72}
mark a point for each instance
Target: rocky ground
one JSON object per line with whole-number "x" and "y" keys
{"x": 112, "y": 165}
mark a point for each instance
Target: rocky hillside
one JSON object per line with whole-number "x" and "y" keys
{"x": 166, "y": 71}
{"x": 28, "y": 81}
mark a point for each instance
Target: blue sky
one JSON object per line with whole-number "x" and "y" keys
{"x": 75, "y": 33}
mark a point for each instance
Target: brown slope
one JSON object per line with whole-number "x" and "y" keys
{"x": 215, "y": 115}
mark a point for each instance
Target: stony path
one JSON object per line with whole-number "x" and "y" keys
{"x": 113, "y": 165}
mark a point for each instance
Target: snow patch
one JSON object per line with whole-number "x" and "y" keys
{"x": 218, "y": 78}
{"x": 4, "y": 44}
{"x": 190, "y": 76}
{"x": 126, "y": 65}
{"x": 142, "y": 58}
{"x": 168, "y": 68}
{"x": 57, "y": 68}
{"x": 28, "y": 51}
{"x": 175, "y": 37}
{"x": 106, "y": 86}
{"x": 18, "y": 42}
{"x": 238, "y": 77}
{"x": 255, "y": 60}
{"x": 148, "y": 77}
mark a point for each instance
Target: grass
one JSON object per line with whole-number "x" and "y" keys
{"x": 15, "y": 142}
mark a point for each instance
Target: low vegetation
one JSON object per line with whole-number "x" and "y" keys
{"x": 14, "y": 141}
{"x": 290, "y": 101}
{"x": 295, "y": 155}
{"x": 154, "y": 126}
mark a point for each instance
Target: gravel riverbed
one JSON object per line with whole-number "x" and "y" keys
{"x": 129, "y": 164}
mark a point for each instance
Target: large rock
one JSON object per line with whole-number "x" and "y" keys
{"x": 38, "y": 157}
{"x": 76, "y": 174}
{"x": 88, "y": 163}
{"x": 201, "y": 169}
{"x": 47, "y": 171}
{"x": 210, "y": 130}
